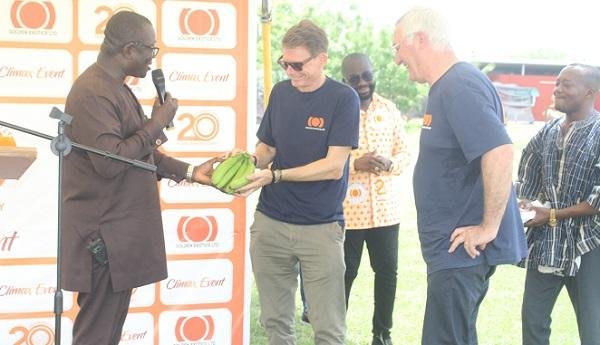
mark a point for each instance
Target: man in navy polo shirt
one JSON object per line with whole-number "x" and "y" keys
{"x": 467, "y": 214}
{"x": 307, "y": 132}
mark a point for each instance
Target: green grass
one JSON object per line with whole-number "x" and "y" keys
{"x": 499, "y": 321}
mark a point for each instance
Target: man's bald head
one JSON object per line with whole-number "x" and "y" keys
{"x": 357, "y": 71}
{"x": 590, "y": 75}
{"x": 123, "y": 27}
{"x": 351, "y": 61}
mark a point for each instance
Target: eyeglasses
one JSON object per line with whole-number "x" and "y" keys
{"x": 153, "y": 48}
{"x": 354, "y": 79}
{"x": 296, "y": 66}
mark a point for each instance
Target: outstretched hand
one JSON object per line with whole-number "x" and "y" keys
{"x": 204, "y": 171}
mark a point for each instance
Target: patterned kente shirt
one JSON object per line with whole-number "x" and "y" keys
{"x": 564, "y": 171}
{"x": 373, "y": 201}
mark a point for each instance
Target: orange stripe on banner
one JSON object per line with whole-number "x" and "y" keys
{"x": 33, "y": 100}
{"x": 28, "y": 261}
{"x": 70, "y": 314}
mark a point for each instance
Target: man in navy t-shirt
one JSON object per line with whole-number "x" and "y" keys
{"x": 467, "y": 213}
{"x": 307, "y": 132}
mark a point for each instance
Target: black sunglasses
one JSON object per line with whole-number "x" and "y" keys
{"x": 153, "y": 48}
{"x": 296, "y": 66}
{"x": 354, "y": 79}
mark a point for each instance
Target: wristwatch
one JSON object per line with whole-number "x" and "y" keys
{"x": 552, "y": 219}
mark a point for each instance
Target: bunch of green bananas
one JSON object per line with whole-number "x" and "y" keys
{"x": 231, "y": 173}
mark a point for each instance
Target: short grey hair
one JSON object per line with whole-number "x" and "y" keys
{"x": 428, "y": 21}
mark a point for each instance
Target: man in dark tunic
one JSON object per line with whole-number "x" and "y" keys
{"x": 109, "y": 204}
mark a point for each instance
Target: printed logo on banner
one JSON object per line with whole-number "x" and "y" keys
{"x": 201, "y": 77}
{"x": 196, "y": 327}
{"x": 202, "y": 129}
{"x": 40, "y": 334}
{"x": 33, "y": 15}
{"x": 200, "y": 281}
{"x": 199, "y": 231}
{"x": 35, "y": 72}
{"x": 31, "y": 292}
{"x": 94, "y": 14}
{"x": 33, "y": 289}
{"x": 33, "y": 331}
{"x": 138, "y": 329}
{"x": 106, "y": 12}
{"x": 201, "y": 24}
{"x": 36, "y": 21}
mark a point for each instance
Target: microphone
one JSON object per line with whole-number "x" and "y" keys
{"x": 158, "y": 78}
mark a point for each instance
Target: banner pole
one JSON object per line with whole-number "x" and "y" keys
{"x": 266, "y": 41}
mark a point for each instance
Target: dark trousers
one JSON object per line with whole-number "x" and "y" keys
{"x": 453, "y": 299}
{"x": 382, "y": 244}
{"x": 542, "y": 290}
{"x": 102, "y": 312}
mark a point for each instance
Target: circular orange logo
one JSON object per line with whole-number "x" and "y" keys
{"x": 33, "y": 14}
{"x": 194, "y": 328}
{"x": 199, "y": 22}
{"x": 316, "y": 122}
{"x": 197, "y": 229}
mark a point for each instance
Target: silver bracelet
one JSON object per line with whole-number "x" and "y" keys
{"x": 189, "y": 174}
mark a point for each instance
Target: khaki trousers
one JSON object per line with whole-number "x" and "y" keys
{"x": 277, "y": 249}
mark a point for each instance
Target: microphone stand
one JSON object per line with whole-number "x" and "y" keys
{"x": 61, "y": 146}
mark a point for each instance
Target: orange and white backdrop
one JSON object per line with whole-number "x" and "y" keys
{"x": 208, "y": 66}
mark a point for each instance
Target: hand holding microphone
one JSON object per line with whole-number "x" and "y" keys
{"x": 166, "y": 111}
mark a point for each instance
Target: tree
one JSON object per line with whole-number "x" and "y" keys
{"x": 348, "y": 32}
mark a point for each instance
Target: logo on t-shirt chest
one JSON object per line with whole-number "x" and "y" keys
{"x": 427, "y": 119}
{"x": 315, "y": 123}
